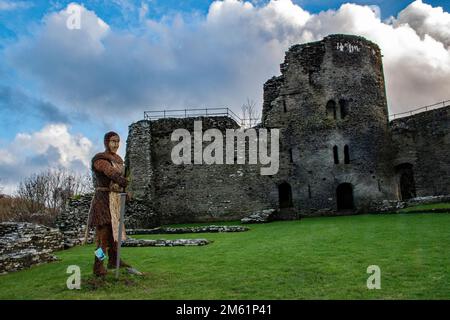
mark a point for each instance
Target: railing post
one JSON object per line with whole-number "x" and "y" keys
{"x": 164, "y": 114}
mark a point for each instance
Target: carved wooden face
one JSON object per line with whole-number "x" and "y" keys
{"x": 113, "y": 144}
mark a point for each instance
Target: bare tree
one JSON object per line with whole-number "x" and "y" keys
{"x": 50, "y": 190}
{"x": 33, "y": 191}
{"x": 250, "y": 114}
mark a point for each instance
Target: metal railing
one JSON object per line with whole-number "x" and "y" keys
{"x": 421, "y": 109}
{"x": 196, "y": 112}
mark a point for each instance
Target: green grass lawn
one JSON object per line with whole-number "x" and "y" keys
{"x": 315, "y": 258}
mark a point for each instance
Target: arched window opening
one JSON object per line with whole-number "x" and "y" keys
{"x": 343, "y": 106}
{"x": 346, "y": 155}
{"x": 291, "y": 158}
{"x": 331, "y": 109}
{"x": 335, "y": 155}
{"x": 284, "y": 106}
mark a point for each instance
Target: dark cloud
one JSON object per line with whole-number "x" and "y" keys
{"x": 11, "y": 173}
{"x": 47, "y": 159}
{"x": 18, "y": 105}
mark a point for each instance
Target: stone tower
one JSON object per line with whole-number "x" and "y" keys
{"x": 330, "y": 104}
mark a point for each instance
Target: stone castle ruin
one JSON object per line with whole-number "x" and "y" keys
{"x": 339, "y": 153}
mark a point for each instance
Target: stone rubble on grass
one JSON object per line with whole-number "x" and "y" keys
{"x": 206, "y": 229}
{"x": 260, "y": 216}
{"x": 383, "y": 206}
{"x": 428, "y": 200}
{"x": 130, "y": 242}
{"x": 25, "y": 244}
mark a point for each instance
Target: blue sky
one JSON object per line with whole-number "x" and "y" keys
{"x": 122, "y": 13}
{"x": 60, "y": 87}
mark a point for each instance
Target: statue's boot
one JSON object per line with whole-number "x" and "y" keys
{"x": 99, "y": 269}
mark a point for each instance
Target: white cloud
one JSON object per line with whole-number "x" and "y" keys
{"x": 6, "y": 157}
{"x": 14, "y": 5}
{"x": 51, "y": 147}
{"x": 223, "y": 58}
{"x": 71, "y": 148}
{"x": 417, "y": 70}
{"x": 426, "y": 20}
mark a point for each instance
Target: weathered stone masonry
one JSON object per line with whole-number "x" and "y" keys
{"x": 25, "y": 244}
{"x": 331, "y": 98}
{"x": 422, "y": 142}
{"x": 191, "y": 192}
{"x": 338, "y": 152}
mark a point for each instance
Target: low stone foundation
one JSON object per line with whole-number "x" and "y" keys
{"x": 428, "y": 200}
{"x": 387, "y": 206}
{"x": 164, "y": 243}
{"x": 25, "y": 244}
{"x": 395, "y": 205}
{"x": 206, "y": 229}
{"x": 261, "y": 216}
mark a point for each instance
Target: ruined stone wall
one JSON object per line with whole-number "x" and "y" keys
{"x": 423, "y": 140}
{"x": 192, "y": 192}
{"x": 330, "y": 106}
{"x": 25, "y": 244}
{"x": 138, "y": 161}
{"x": 319, "y": 80}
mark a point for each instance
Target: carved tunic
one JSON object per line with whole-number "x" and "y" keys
{"x": 108, "y": 177}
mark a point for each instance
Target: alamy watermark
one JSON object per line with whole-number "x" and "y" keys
{"x": 74, "y": 280}
{"x": 73, "y": 22}
{"x": 258, "y": 149}
{"x": 374, "y": 280}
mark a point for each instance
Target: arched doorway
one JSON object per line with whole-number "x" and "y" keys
{"x": 285, "y": 195}
{"x": 407, "y": 184}
{"x": 344, "y": 196}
